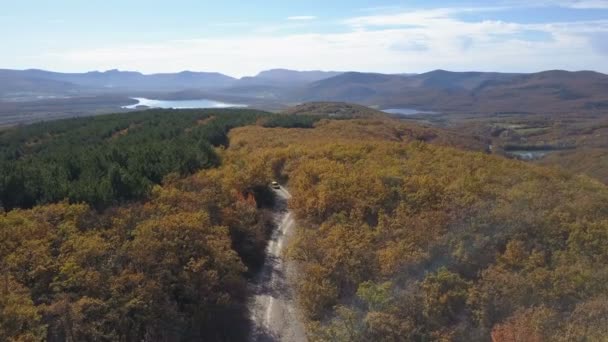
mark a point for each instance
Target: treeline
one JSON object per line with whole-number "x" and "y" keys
{"x": 291, "y": 121}
{"x": 110, "y": 159}
{"x": 415, "y": 242}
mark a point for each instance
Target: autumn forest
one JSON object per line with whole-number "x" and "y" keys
{"x": 150, "y": 226}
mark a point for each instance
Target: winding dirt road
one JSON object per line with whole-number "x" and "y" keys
{"x": 272, "y": 306}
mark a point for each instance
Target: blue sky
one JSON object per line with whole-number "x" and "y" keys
{"x": 241, "y": 38}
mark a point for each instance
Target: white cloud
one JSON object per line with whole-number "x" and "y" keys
{"x": 302, "y": 17}
{"x": 574, "y": 4}
{"x": 409, "y": 41}
{"x": 585, "y": 4}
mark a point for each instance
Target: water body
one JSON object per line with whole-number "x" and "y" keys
{"x": 181, "y": 104}
{"x": 529, "y": 154}
{"x": 408, "y": 111}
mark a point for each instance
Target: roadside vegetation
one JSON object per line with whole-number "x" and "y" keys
{"x": 408, "y": 240}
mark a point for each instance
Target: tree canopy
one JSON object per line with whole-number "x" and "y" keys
{"x": 400, "y": 235}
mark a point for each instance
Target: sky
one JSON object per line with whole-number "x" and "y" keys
{"x": 241, "y": 38}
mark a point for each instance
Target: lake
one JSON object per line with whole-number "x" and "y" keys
{"x": 529, "y": 154}
{"x": 181, "y": 104}
{"x": 408, "y": 111}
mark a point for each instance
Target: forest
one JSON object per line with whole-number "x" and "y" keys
{"x": 111, "y": 159}
{"x": 404, "y": 232}
{"x": 401, "y": 239}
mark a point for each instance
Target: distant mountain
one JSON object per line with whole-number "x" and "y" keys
{"x": 112, "y": 80}
{"x": 553, "y": 91}
{"x": 279, "y": 77}
{"x": 16, "y": 84}
{"x": 276, "y": 84}
{"x": 354, "y": 87}
{"x": 271, "y": 83}
{"x": 477, "y": 92}
{"x": 442, "y": 79}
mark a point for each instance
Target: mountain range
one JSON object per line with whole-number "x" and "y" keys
{"x": 477, "y": 92}
{"x": 34, "y": 80}
{"x": 552, "y": 91}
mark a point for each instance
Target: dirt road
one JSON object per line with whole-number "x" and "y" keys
{"x": 272, "y": 307}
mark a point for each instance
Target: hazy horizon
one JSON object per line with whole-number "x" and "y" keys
{"x": 391, "y": 37}
{"x": 296, "y": 70}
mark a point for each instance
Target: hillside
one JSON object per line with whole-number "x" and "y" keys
{"x": 399, "y": 239}
{"x": 354, "y": 87}
{"x": 334, "y": 109}
{"x": 574, "y": 143}
{"x": 443, "y": 79}
{"x": 483, "y": 93}
{"x": 551, "y": 91}
{"x": 15, "y": 85}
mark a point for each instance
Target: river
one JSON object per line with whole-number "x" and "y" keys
{"x": 181, "y": 104}
{"x": 408, "y": 111}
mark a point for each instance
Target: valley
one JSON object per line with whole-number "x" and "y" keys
{"x": 33, "y": 95}
{"x": 304, "y": 171}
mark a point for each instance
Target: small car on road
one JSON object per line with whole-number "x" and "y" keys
{"x": 275, "y": 185}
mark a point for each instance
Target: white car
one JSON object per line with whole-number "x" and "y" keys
{"x": 275, "y": 185}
